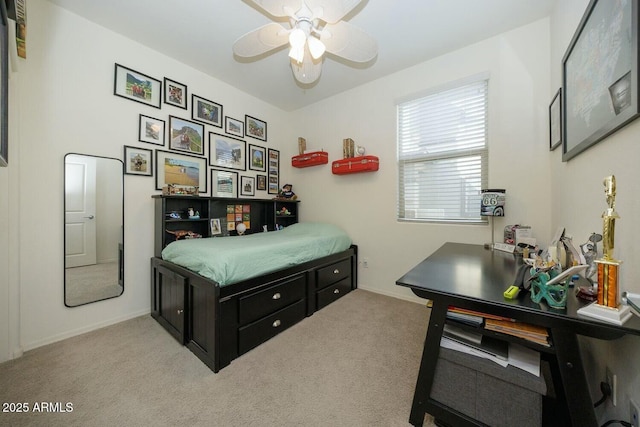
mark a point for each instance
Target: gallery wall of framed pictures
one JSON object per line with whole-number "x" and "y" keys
{"x": 200, "y": 150}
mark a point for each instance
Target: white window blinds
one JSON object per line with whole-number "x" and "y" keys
{"x": 442, "y": 155}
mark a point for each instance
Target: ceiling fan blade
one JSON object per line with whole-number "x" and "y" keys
{"x": 332, "y": 10}
{"x": 277, "y": 7}
{"x": 309, "y": 70}
{"x": 349, "y": 42}
{"x": 261, "y": 40}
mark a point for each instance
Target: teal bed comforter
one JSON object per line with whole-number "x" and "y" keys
{"x": 228, "y": 260}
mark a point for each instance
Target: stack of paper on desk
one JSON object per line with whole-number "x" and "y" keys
{"x": 519, "y": 356}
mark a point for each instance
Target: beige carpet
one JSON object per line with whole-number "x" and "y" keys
{"x": 354, "y": 363}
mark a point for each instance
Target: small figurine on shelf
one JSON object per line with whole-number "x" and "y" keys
{"x": 360, "y": 150}
{"x": 287, "y": 193}
{"x": 284, "y": 211}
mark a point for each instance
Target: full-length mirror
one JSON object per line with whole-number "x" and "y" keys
{"x": 93, "y": 229}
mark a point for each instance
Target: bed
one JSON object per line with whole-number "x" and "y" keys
{"x": 223, "y": 296}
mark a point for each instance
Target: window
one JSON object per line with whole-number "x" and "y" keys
{"x": 442, "y": 154}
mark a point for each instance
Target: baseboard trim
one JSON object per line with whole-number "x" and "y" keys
{"x": 409, "y": 298}
{"x": 82, "y": 330}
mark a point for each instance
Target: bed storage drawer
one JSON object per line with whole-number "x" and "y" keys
{"x": 333, "y": 292}
{"x": 258, "y": 305}
{"x": 332, "y": 273}
{"x": 260, "y": 331}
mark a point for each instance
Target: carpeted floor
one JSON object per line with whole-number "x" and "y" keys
{"x": 354, "y": 363}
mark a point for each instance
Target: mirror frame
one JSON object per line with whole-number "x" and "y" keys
{"x": 64, "y": 234}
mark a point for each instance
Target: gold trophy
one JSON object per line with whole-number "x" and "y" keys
{"x": 606, "y": 307}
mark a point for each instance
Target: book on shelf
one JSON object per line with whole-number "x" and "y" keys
{"x": 467, "y": 319}
{"x": 489, "y": 345}
{"x": 534, "y": 333}
{"x": 478, "y": 313}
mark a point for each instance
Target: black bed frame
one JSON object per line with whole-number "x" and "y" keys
{"x": 219, "y": 324}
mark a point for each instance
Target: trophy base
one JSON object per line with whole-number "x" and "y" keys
{"x": 607, "y": 314}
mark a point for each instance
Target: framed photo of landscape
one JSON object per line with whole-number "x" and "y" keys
{"x": 257, "y": 158}
{"x": 227, "y": 152}
{"x": 255, "y": 128}
{"x": 138, "y": 87}
{"x": 181, "y": 170}
{"x": 175, "y": 93}
{"x": 185, "y": 135}
{"x": 206, "y": 111}
{"x": 234, "y": 127}
{"x": 151, "y": 130}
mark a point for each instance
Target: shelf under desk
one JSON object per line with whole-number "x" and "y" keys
{"x": 471, "y": 277}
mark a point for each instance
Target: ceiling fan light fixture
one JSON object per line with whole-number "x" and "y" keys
{"x": 297, "y": 53}
{"x": 297, "y": 38}
{"x": 316, "y": 47}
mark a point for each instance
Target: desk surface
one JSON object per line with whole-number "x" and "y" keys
{"x": 469, "y": 276}
{"x": 477, "y": 277}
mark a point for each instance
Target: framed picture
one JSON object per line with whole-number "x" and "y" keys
{"x": 138, "y": 161}
{"x": 600, "y": 75}
{"x": 247, "y": 186}
{"x": 215, "y": 226}
{"x": 227, "y": 152}
{"x": 555, "y": 121}
{"x": 224, "y": 183}
{"x": 273, "y": 171}
{"x": 175, "y": 93}
{"x": 234, "y": 126}
{"x": 136, "y": 86}
{"x": 185, "y": 135}
{"x": 151, "y": 130}
{"x": 206, "y": 111}
{"x": 4, "y": 88}
{"x": 255, "y": 128}
{"x": 257, "y": 156}
{"x": 181, "y": 170}
{"x": 261, "y": 182}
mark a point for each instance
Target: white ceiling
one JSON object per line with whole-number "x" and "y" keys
{"x": 200, "y": 34}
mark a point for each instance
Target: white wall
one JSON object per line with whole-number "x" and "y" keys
{"x": 67, "y": 105}
{"x": 578, "y": 196}
{"x": 365, "y": 204}
{"x": 62, "y": 101}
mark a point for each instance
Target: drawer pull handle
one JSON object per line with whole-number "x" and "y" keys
{"x": 336, "y": 271}
{"x": 336, "y": 291}
{"x": 276, "y": 296}
{"x": 180, "y": 311}
{"x": 276, "y": 323}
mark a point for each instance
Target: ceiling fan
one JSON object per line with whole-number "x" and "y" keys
{"x": 313, "y": 28}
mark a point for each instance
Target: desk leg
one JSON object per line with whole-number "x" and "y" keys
{"x": 428, "y": 363}
{"x": 576, "y": 389}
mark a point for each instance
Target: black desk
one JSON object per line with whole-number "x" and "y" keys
{"x": 469, "y": 276}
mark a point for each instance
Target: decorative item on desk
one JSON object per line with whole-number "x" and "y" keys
{"x": 492, "y": 204}
{"x": 302, "y": 145}
{"x": 360, "y": 150}
{"x": 551, "y": 286}
{"x": 607, "y": 307}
